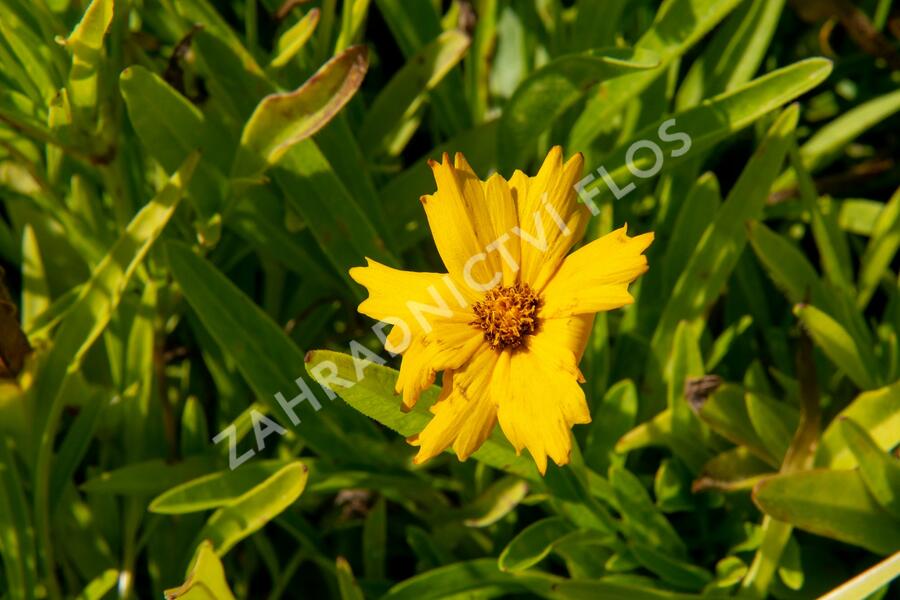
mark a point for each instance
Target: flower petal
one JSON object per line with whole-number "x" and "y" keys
{"x": 413, "y": 302}
{"x": 504, "y": 219}
{"x": 551, "y": 220}
{"x": 539, "y": 403}
{"x": 596, "y": 276}
{"x": 465, "y": 413}
{"x": 447, "y": 346}
{"x": 460, "y": 222}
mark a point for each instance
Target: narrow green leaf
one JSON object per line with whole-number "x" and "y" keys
{"x": 839, "y": 346}
{"x": 147, "y": 478}
{"x": 268, "y": 360}
{"x": 533, "y": 544}
{"x": 16, "y": 536}
{"x": 171, "y": 128}
{"x": 876, "y": 411}
{"x": 552, "y": 89}
{"x": 880, "y": 471}
{"x": 734, "y": 54}
{"x": 736, "y": 469}
{"x": 642, "y": 520}
{"x": 347, "y": 585}
{"x": 374, "y": 541}
{"x": 293, "y": 40}
{"x": 250, "y": 513}
{"x": 100, "y": 586}
{"x": 280, "y": 121}
{"x": 881, "y": 249}
{"x": 86, "y": 45}
{"x": 405, "y": 93}
{"x": 678, "y": 26}
{"x": 676, "y": 572}
{"x": 205, "y": 578}
{"x": 807, "y": 500}
{"x": 717, "y": 253}
{"x": 787, "y": 266}
{"x": 214, "y": 490}
{"x": 825, "y": 146}
{"x": 35, "y": 292}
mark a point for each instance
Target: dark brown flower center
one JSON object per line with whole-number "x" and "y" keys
{"x": 507, "y": 314}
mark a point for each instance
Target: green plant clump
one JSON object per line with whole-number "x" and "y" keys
{"x": 186, "y": 185}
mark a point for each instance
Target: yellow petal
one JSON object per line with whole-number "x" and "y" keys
{"x": 562, "y": 342}
{"x": 539, "y": 403}
{"x": 465, "y": 413}
{"x": 596, "y": 276}
{"x": 448, "y": 346}
{"x": 504, "y": 219}
{"x": 460, "y": 223}
{"x": 413, "y": 302}
{"x": 551, "y": 220}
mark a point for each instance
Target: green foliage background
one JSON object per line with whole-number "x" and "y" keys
{"x": 181, "y": 204}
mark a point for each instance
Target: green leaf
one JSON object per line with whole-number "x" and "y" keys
{"x": 552, "y": 89}
{"x": 856, "y": 360}
{"x": 703, "y": 200}
{"x": 347, "y": 585}
{"x": 880, "y": 471}
{"x": 707, "y": 124}
{"x": 369, "y": 388}
{"x": 533, "y": 544}
{"x": 205, "y": 578}
{"x": 262, "y": 352}
{"x": 337, "y": 221}
{"x": 678, "y": 26}
{"x": 249, "y": 513}
{"x": 877, "y": 411}
{"x": 497, "y": 501}
{"x": 881, "y": 249}
{"x": 281, "y": 121}
{"x": 293, "y": 40}
{"x": 459, "y": 578}
{"x": 214, "y": 490}
{"x": 612, "y": 419}
{"x": 808, "y": 500}
{"x": 16, "y": 536}
{"x": 100, "y": 586}
{"x": 787, "y": 266}
{"x": 673, "y": 571}
{"x": 727, "y": 412}
{"x": 35, "y": 292}
{"x": 147, "y": 478}
{"x": 871, "y": 583}
{"x": 374, "y": 541}
{"x": 86, "y": 46}
{"x": 90, "y": 314}
{"x": 383, "y": 128}
{"x": 825, "y": 146}
{"x": 736, "y": 469}
{"x": 414, "y": 25}
{"x": 717, "y": 253}
{"x": 831, "y": 242}
{"x": 774, "y": 423}
{"x": 734, "y": 54}
{"x": 642, "y": 520}
{"x": 171, "y": 128}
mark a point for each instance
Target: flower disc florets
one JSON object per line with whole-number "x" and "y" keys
{"x": 507, "y": 315}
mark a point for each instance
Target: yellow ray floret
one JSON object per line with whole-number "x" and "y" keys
{"x": 509, "y": 321}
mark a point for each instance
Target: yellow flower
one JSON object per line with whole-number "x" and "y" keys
{"x": 509, "y": 322}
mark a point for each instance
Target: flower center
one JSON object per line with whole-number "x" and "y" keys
{"x": 507, "y": 314}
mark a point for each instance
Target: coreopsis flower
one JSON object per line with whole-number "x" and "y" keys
{"x": 509, "y": 321}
